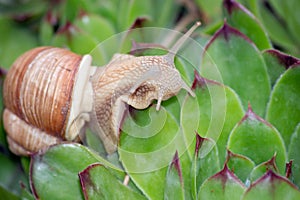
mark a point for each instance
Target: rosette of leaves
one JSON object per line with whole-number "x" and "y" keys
{"x": 238, "y": 139}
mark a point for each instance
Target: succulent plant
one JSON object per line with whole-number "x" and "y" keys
{"x": 237, "y": 139}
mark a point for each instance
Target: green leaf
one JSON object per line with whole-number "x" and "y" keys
{"x": 151, "y": 138}
{"x": 95, "y": 26}
{"x": 187, "y": 174}
{"x": 74, "y": 38}
{"x": 288, "y": 11}
{"x": 294, "y": 154}
{"x": 5, "y": 194}
{"x": 203, "y": 167}
{"x": 106, "y": 187}
{"x": 240, "y": 165}
{"x": 152, "y": 146}
{"x": 262, "y": 168}
{"x": 272, "y": 186}
{"x": 242, "y": 19}
{"x": 57, "y": 170}
{"x": 276, "y": 26}
{"x": 11, "y": 174}
{"x": 223, "y": 185}
{"x": 232, "y": 59}
{"x": 258, "y": 140}
{"x": 12, "y": 36}
{"x": 26, "y": 194}
{"x": 211, "y": 9}
{"x": 213, "y": 113}
{"x": 174, "y": 183}
{"x": 277, "y": 62}
{"x": 128, "y": 12}
{"x": 164, "y": 12}
{"x": 284, "y": 108}
{"x": 46, "y": 28}
{"x": 23, "y": 8}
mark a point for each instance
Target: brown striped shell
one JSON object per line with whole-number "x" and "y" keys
{"x": 37, "y": 96}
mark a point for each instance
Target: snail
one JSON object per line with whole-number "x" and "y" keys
{"x": 52, "y": 94}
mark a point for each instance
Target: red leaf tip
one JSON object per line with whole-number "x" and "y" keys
{"x": 225, "y": 174}
{"x": 284, "y": 59}
{"x": 288, "y": 169}
{"x": 198, "y": 80}
{"x": 271, "y": 177}
{"x": 176, "y": 164}
{"x": 230, "y": 5}
{"x": 199, "y": 142}
{"x": 251, "y": 115}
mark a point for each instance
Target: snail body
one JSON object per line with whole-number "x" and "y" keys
{"x": 52, "y": 95}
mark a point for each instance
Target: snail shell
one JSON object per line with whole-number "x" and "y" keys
{"x": 38, "y": 92}
{"x": 52, "y": 95}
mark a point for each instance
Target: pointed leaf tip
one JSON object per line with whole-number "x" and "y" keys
{"x": 272, "y": 163}
{"x": 271, "y": 177}
{"x": 288, "y": 169}
{"x": 200, "y": 81}
{"x": 264, "y": 167}
{"x": 228, "y": 30}
{"x": 226, "y": 174}
{"x": 176, "y": 164}
{"x": 250, "y": 114}
{"x": 230, "y": 5}
{"x": 273, "y": 186}
{"x": 240, "y": 165}
{"x": 223, "y": 185}
{"x": 284, "y": 59}
{"x": 85, "y": 179}
{"x": 199, "y": 142}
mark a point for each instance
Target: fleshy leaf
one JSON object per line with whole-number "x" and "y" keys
{"x": 9, "y": 182}
{"x": 223, "y": 185}
{"x": 242, "y": 19}
{"x": 174, "y": 183}
{"x": 5, "y": 194}
{"x": 212, "y": 10}
{"x": 240, "y": 165}
{"x": 272, "y": 186}
{"x": 12, "y": 36}
{"x": 127, "y": 14}
{"x": 164, "y": 12}
{"x": 74, "y": 38}
{"x": 284, "y": 109}
{"x": 276, "y": 25}
{"x": 264, "y": 167}
{"x": 258, "y": 140}
{"x": 106, "y": 187}
{"x": 203, "y": 167}
{"x": 186, "y": 166}
{"x": 94, "y": 25}
{"x": 153, "y": 148}
{"x": 277, "y": 62}
{"x": 213, "y": 113}
{"x": 294, "y": 154}
{"x": 26, "y": 193}
{"x": 288, "y": 11}
{"x": 231, "y": 58}
{"x": 57, "y": 170}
